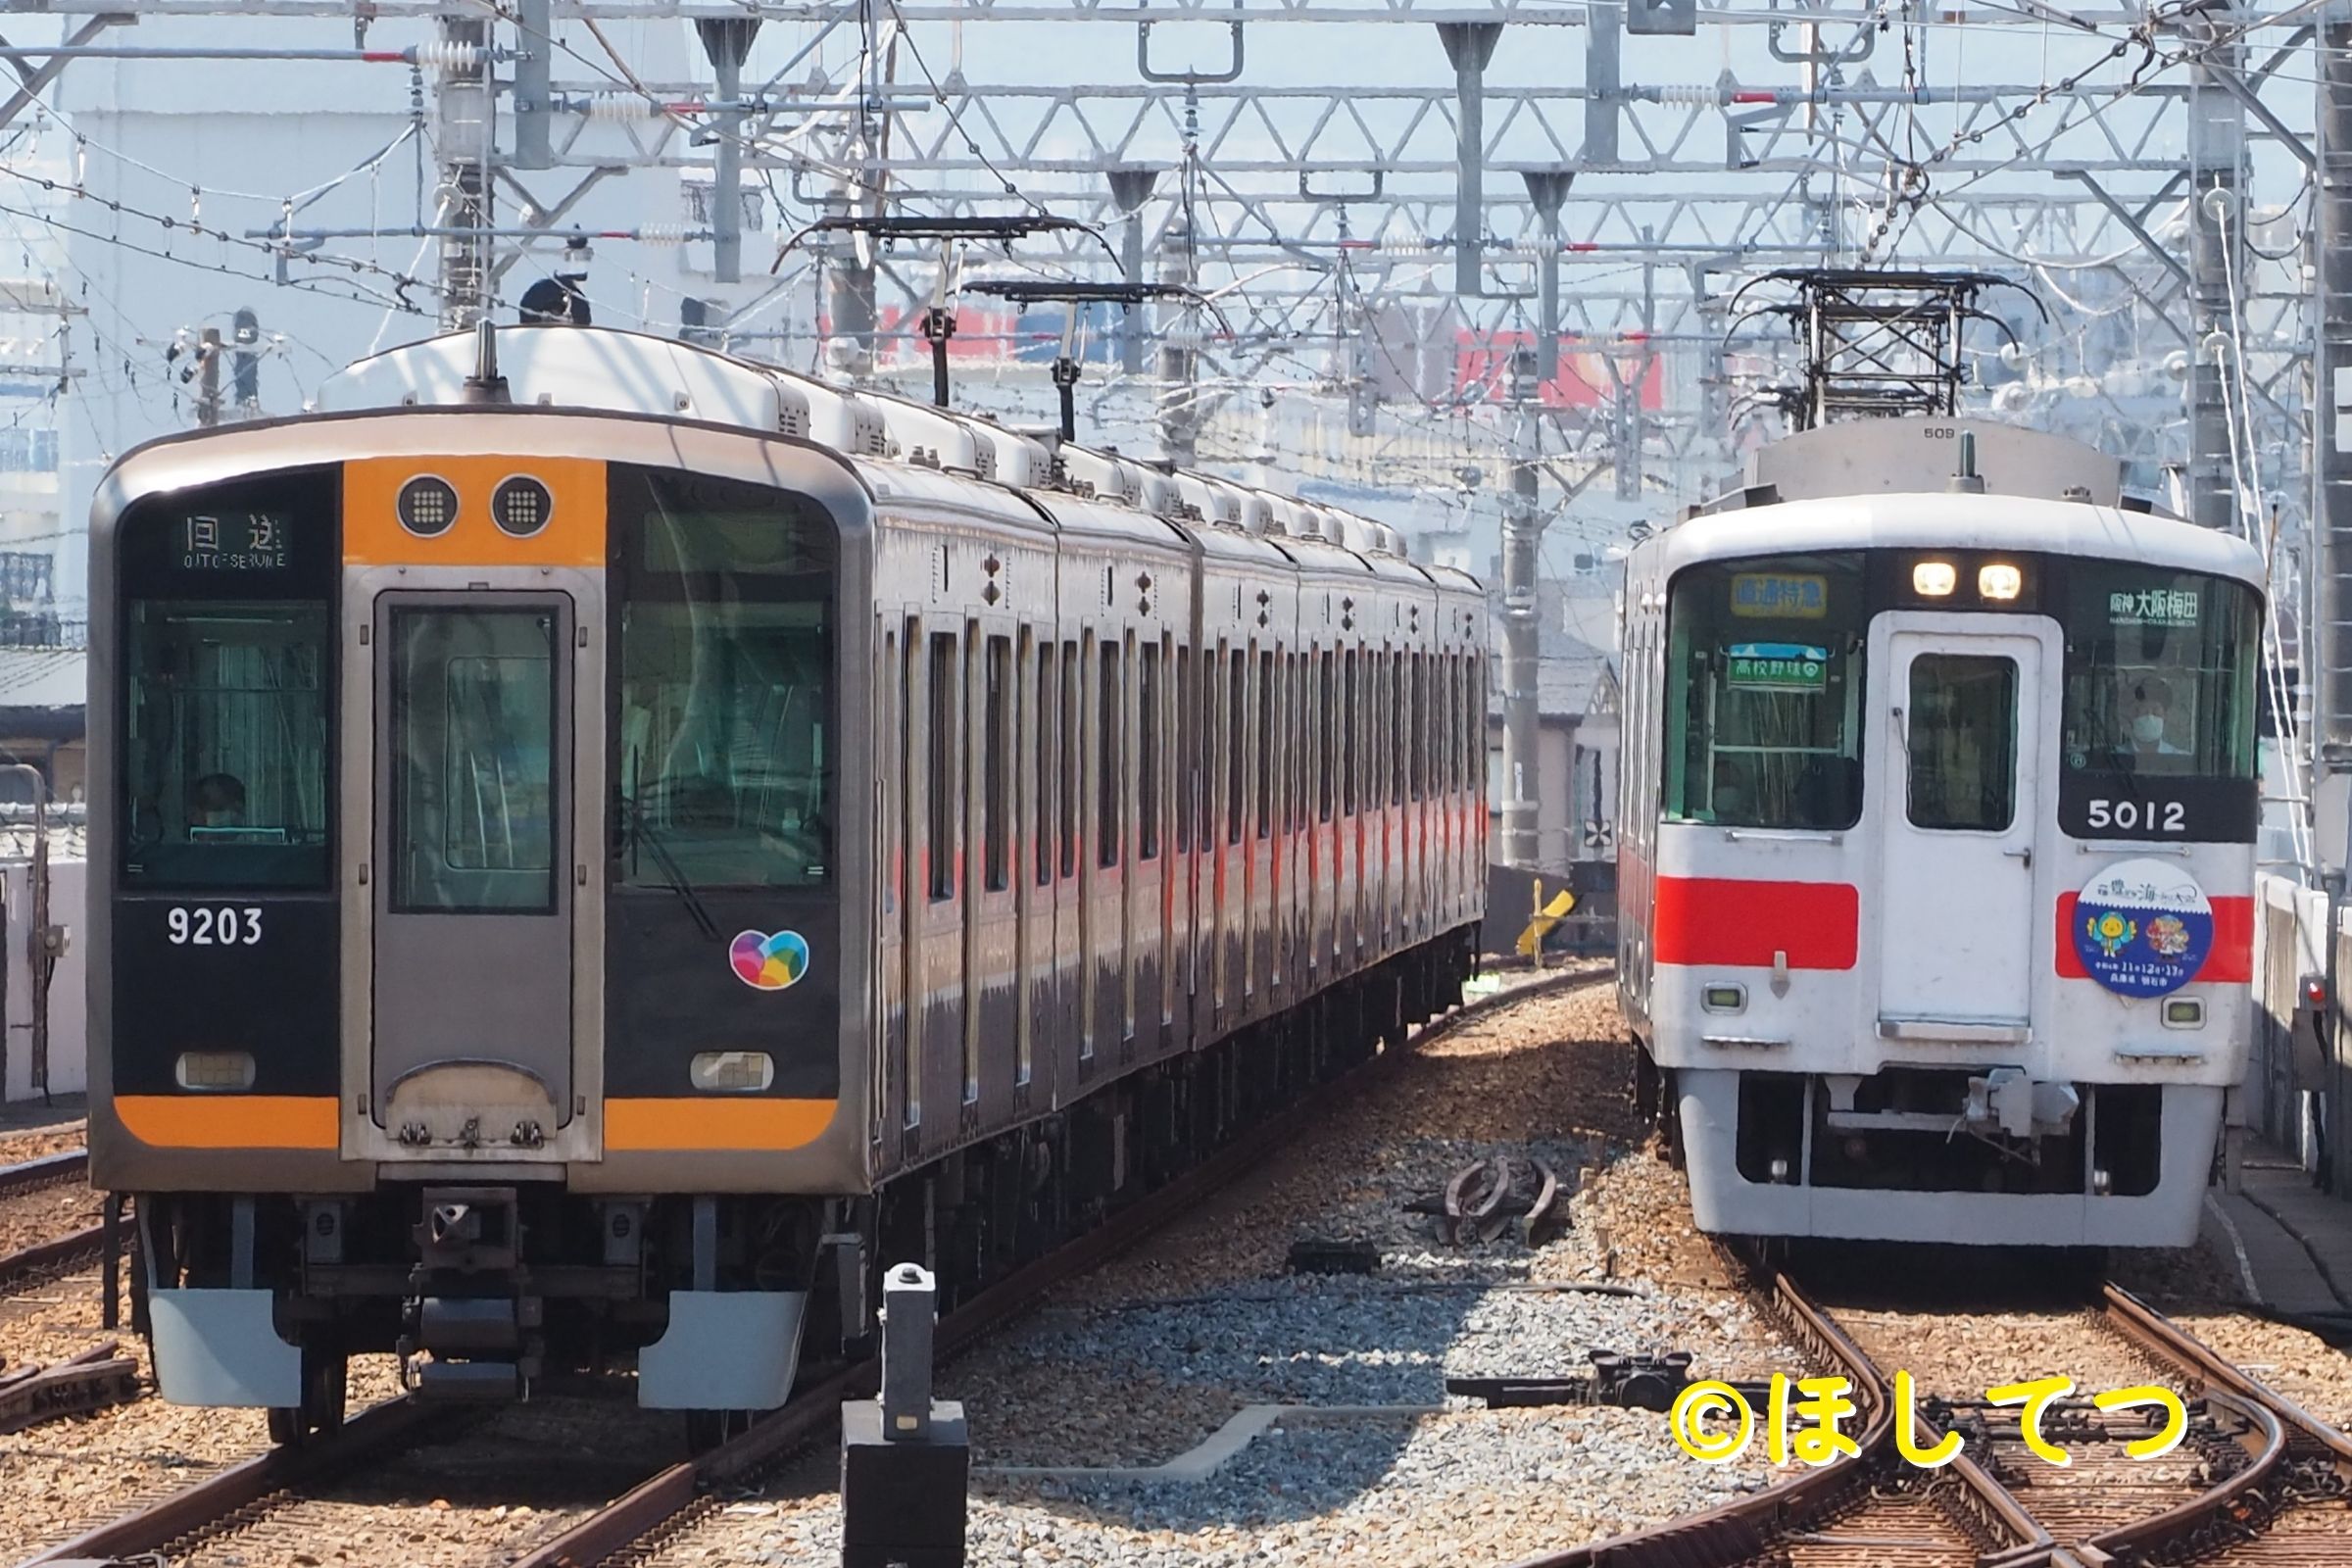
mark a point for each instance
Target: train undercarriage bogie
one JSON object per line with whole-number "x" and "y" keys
{"x": 488, "y": 1291}
{"x": 978, "y": 1213}
{"x": 484, "y": 1292}
{"x": 1922, "y": 1154}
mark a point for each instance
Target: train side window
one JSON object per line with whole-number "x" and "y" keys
{"x": 1188, "y": 762}
{"x": 1146, "y": 751}
{"x": 1070, "y": 673}
{"x": 1763, "y": 693}
{"x": 1047, "y": 715}
{"x": 1297, "y": 695}
{"x": 1324, "y": 721}
{"x": 1962, "y": 742}
{"x": 1265, "y": 744}
{"x": 1237, "y": 748}
{"x": 1397, "y": 742}
{"x": 1111, "y": 773}
{"x": 1350, "y": 716}
{"x": 996, "y": 765}
{"x": 944, "y": 780}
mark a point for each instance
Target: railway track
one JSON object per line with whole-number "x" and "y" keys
{"x": 256, "y": 1495}
{"x": 675, "y": 1503}
{"x": 56, "y": 1254}
{"x": 2257, "y": 1481}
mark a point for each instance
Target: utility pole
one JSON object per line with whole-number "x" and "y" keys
{"x": 1469, "y": 45}
{"x": 208, "y": 377}
{"x": 2329, "y": 651}
{"x": 1131, "y": 186}
{"x": 2216, "y": 151}
{"x": 850, "y": 290}
{"x": 2327, "y": 642}
{"x": 1522, "y": 530}
{"x": 465, "y": 134}
{"x": 727, "y": 40}
{"x": 1179, "y": 355}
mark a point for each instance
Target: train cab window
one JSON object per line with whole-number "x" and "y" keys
{"x": 1764, "y": 693}
{"x": 474, "y": 809}
{"x": 227, "y": 672}
{"x": 2160, "y": 672}
{"x": 723, "y": 762}
{"x": 1961, "y": 742}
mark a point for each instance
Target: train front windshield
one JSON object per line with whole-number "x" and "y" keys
{"x": 1768, "y": 681}
{"x": 225, "y": 648}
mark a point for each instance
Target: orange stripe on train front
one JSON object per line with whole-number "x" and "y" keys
{"x": 230, "y": 1121}
{"x": 715, "y": 1123}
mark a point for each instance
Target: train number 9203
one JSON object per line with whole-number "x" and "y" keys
{"x": 2137, "y": 816}
{"x": 205, "y": 927}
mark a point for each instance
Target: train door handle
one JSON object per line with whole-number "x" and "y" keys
{"x": 2024, "y": 853}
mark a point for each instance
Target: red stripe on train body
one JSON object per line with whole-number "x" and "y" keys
{"x": 1739, "y": 922}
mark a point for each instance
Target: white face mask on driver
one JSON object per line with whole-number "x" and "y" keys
{"x": 2147, "y": 729}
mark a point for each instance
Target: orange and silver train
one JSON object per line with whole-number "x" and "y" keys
{"x": 1939, "y": 802}
{"x": 601, "y": 844}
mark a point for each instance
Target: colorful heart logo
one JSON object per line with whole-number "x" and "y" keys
{"x": 769, "y": 963}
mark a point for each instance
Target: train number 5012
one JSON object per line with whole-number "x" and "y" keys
{"x": 2140, "y": 817}
{"x": 201, "y": 927}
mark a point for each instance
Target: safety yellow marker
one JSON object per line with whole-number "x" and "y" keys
{"x": 1546, "y": 917}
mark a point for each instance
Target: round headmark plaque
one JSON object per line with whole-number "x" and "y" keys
{"x": 2143, "y": 928}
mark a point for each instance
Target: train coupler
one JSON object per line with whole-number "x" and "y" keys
{"x": 470, "y": 1319}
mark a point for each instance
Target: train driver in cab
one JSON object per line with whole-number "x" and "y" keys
{"x": 217, "y": 800}
{"x": 2149, "y": 707}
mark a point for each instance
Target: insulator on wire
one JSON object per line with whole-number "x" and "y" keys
{"x": 663, "y": 235}
{"x": 1698, "y": 93}
{"x": 443, "y": 55}
{"x": 626, "y": 106}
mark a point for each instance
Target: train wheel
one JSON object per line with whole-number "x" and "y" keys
{"x": 708, "y": 1429}
{"x": 325, "y": 1382}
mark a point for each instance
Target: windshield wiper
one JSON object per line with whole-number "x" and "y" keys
{"x": 643, "y": 832}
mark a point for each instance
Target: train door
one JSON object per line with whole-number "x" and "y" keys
{"x": 889, "y": 764}
{"x": 990, "y": 904}
{"x": 1960, "y": 807}
{"x": 467, "y": 723}
{"x": 936, "y": 999}
{"x": 1038, "y": 961}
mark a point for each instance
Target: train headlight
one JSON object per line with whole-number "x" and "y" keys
{"x": 522, "y": 506}
{"x": 732, "y": 1072}
{"x": 2183, "y": 1013}
{"x": 427, "y": 505}
{"x": 1935, "y": 579}
{"x": 225, "y": 1071}
{"x": 2000, "y": 580}
{"x": 1723, "y": 997}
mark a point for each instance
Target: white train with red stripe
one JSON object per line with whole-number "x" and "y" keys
{"x": 1937, "y": 856}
